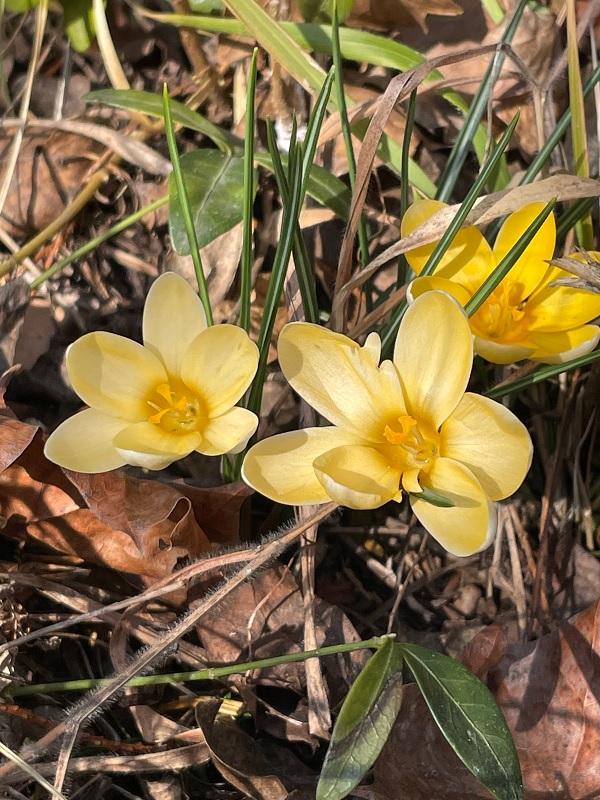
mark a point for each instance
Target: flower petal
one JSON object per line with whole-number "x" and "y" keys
{"x": 281, "y": 467}
{"x": 498, "y": 353}
{"x": 173, "y": 317}
{"x": 531, "y": 268}
{"x": 434, "y": 356}
{"x": 468, "y": 259}
{"x": 560, "y": 308}
{"x": 84, "y": 443}
{"x": 357, "y": 476}
{"x": 219, "y": 366}
{"x": 228, "y": 433}
{"x": 558, "y": 348}
{"x": 488, "y": 439}
{"x": 146, "y": 445}
{"x": 434, "y": 283}
{"x": 470, "y": 525}
{"x": 340, "y": 379}
{"x": 113, "y": 374}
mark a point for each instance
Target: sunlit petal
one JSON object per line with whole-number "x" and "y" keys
{"x": 146, "y": 445}
{"x": 499, "y": 353}
{"x": 281, "y": 467}
{"x": 228, "y": 433}
{"x": 219, "y": 366}
{"x": 470, "y": 525}
{"x": 433, "y": 283}
{"x": 357, "y": 477}
{"x": 434, "y": 356}
{"x": 488, "y": 439}
{"x": 339, "y": 379}
{"x": 173, "y": 317}
{"x": 558, "y": 348}
{"x": 531, "y": 267}
{"x": 469, "y": 257}
{"x": 113, "y": 374}
{"x": 559, "y": 308}
{"x": 84, "y": 443}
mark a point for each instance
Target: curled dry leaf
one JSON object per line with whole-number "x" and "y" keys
{"x": 136, "y": 526}
{"x": 399, "y": 13}
{"x": 549, "y": 692}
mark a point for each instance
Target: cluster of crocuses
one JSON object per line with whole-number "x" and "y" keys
{"x": 405, "y": 425}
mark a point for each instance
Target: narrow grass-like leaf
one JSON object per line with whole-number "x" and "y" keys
{"x": 403, "y": 266}
{"x": 30, "y": 770}
{"x": 389, "y": 335}
{"x": 583, "y": 227}
{"x": 468, "y": 716}
{"x": 509, "y": 260}
{"x": 291, "y": 213}
{"x": 178, "y": 199}
{"x": 576, "y": 211}
{"x": 462, "y": 146}
{"x": 249, "y": 190}
{"x": 364, "y": 723}
{"x": 541, "y": 374}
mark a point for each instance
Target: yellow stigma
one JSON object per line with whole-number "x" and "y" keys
{"x": 176, "y": 412}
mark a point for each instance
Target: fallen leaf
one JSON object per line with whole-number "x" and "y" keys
{"x": 14, "y": 301}
{"x": 398, "y": 13}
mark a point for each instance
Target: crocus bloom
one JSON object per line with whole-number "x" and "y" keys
{"x": 153, "y": 404}
{"x": 525, "y": 316}
{"x": 406, "y": 424}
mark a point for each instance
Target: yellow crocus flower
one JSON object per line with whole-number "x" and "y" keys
{"x": 152, "y": 404}
{"x": 525, "y": 316}
{"x": 402, "y": 425}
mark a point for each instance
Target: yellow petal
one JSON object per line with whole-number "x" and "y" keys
{"x": 173, "y": 317}
{"x": 470, "y": 525}
{"x": 281, "y": 467}
{"x": 560, "y": 308}
{"x": 113, "y": 374}
{"x": 488, "y": 439}
{"x": 84, "y": 443}
{"x": 558, "y": 348}
{"x": 498, "y": 353}
{"x": 467, "y": 260}
{"x": 219, "y": 366}
{"x": 357, "y": 477}
{"x": 228, "y": 433}
{"x": 531, "y": 268}
{"x": 433, "y": 283}
{"x": 434, "y": 356}
{"x": 340, "y": 379}
{"x": 146, "y": 445}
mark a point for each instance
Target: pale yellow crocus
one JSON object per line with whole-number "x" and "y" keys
{"x": 152, "y": 404}
{"x": 402, "y": 425}
{"x": 527, "y": 315}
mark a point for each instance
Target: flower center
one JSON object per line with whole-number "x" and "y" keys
{"x": 174, "y": 411}
{"x": 418, "y": 451}
{"x": 500, "y": 315}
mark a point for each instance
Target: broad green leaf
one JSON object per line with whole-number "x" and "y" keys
{"x": 322, "y": 185}
{"x": 468, "y": 716}
{"x": 215, "y": 187}
{"x": 364, "y": 723}
{"x": 20, "y": 6}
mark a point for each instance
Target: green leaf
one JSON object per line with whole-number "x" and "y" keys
{"x": 78, "y": 18}
{"x": 215, "y": 187}
{"x": 468, "y": 716}
{"x": 433, "y": 498}
{"x": 323, "y": 9}
{"x": 20, "y": 6}
{"x": 364, "y": 723}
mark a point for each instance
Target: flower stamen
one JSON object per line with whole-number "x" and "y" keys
{"x": 178, "y": 413}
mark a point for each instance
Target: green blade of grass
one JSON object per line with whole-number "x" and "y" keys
{"x": 540, "y": 375}
{"x": 462, "y": 146}
{"x": 248, "y": 232}
{"x": 185, "y": 207}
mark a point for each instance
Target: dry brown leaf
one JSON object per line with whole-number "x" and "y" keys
{"x": 237, "y": 756}
{"x": 14, "y": 301}
{"x": 399, "y": 13}
{"x": 137, "y": 526}
{"x": 549, "y": 692}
